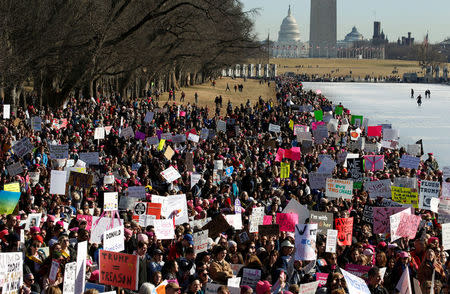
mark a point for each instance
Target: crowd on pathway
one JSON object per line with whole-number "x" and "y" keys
{"x": 220, "y": 167}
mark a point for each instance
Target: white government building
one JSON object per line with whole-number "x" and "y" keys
{"x": 289, "y": 44}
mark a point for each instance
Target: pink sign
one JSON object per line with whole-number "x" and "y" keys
{"x": 322, "y": 278}
{"x": 381, "y": 222}
{"x": 294, "y": 153}
{"x": 315, "y": 124}
{"x": 287, "y": 221}
{"x": 139, "y": 135}
{"x": 88, "y": 219}
{"x": 374, "y": 131}
{"x": 358, "y": 270}
{"x": 267, "y": 220}
{"x": 280, "y": 155}
{"x": 408, "y": 226}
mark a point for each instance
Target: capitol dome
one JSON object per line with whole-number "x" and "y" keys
{"x": 289, "y": 31}
{"x": 353, "y": 36}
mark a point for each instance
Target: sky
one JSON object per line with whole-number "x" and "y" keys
{"x": 397, "y": 17}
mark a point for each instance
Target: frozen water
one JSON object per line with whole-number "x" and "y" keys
{"x": 392, "y": 103}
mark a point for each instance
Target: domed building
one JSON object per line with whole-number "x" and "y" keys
{"x": 289, "y": 44}
{"x": 351, "y": 38}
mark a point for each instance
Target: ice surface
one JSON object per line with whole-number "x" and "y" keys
{"x": 392, "y": 103}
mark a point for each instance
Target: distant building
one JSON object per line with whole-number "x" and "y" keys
{"x": 355, "y": 46}
{"x": 378, "y": 37}
{"x": 323, "y": 28}
{"x": 350, "y": 39}
{"x": 289, "y": 44}
{"x": 406, "y": 41}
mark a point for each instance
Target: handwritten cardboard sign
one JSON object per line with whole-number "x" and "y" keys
{"x": 408, "y": 226}
{"x": 428, "y": 190}
{"x": 318, "y": 180}
{"x": 378, "y": 188}
{"x": 200, "y": 241}
{"x": 305, "y": 242}
{"x": 216, "y": 226}
{"x": 381, "y": 222}
{"x": 337, "y": 188}
{"x": 344, "y": 226}
{"x": 80, "y": 180}
{"x": 119, "y": 269}
{"x": 405, "y": 196}
{"x": 408, "y": 161}
{"x": 324, "y": 220}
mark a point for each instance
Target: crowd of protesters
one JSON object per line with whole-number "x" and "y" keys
{"x": 255, "y": 181}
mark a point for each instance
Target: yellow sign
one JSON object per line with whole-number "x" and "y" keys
{"x": 12, "y": 187}
{"x": 161, "y": 144}
{"x": 291, "y": 124}
{"x": 285, "y": 170}
{"x": 405, "y": 196}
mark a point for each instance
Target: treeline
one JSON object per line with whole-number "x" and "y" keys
{"x": 65, "y": 47}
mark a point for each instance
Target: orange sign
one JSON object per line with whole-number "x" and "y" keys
{"x": 154, "y": 209}
{"x": 119, "y": 269}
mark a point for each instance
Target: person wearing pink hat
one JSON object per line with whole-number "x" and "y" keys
{"x": 263, "y": 287}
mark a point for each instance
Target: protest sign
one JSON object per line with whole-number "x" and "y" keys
{"x": 355, "y": 168}
{"x": 11, "y": 272}
{"x": 391, "y": 134}
{"x": 381, "y": 221}
{"x": 108, "y": 179}
{"x": 200, "y": 241}
{"x": 6, "y": 111}
{"x": 300, "y": 129}
{"x": 113, "y": 240}
{"x": 301, "y": 136}
{"x": 408, "y": 226}
{"x": 22, "y": 147}
{"x": 216, "y": 226}
{"x": 34, "y": 178}
{"x": 235, "y": 220}
{"x": 127, "y": 133}
{"x": 444, "y": 211}
{"x": 405, "y": 182}
{"x": 331, "y": 241}
{"x": 374, "y": 131}
{"x": 372, "y": 147}
{"x": 139, "y": 135}
{"x": 405, "y": 196}
{"x": 307, "y": 146}
{"x": 136, "y": 191}
{"x": 274, "y": 128}
{"x": 305, "y": 242}
{"x": 70, "y": 272}
{"x": 170, "y": 174}
{"x": 118, "y": 269}
{"x": 100, "y": 225}
{"x": 169, "y": 153}
{"x": 380, "y": 188}
{"x": 178, "y": 208}
{"x": 446, "y": 236}
{"x": 154, "y": 209}
{"x": 336, "y": 188}
{"x": 295, "y": 207}
{"x": 368, "y": 214}
{"x": 218, "y": 164}
{"x": 58, "y": 182}
{"x": 193, "y": 137}
{"x": 178, "y": 138}
{"x": 36, "y": 124}
{"x": 195, "y": 178}
{"x": 33, "y": 220}
{"x": 445, "y": 194}
{"x": 91, "y": 158}
{"x": 250, "y": 277}
{"x": 12, "y": 187}
{"x": 360, "y": 271}
{"x": 80, "y": 180}
{"x": 53, "y": 271}
{"x": 140, "y": 208}
{"x": 287, "y": 221}
{"x": 395, "y": 222}
{"x": 408, "y": 161}
{"x": 318, "y": 115}
{"x": 428, "y": 190}
{"x": 318, "y": 180}
{"x": 111, "y": 201}
{"x": 229, "y": 171}
{"x": 285, "y": 170}
{"x": 166, "y": 136}
{"x": 14, "y": 169}
{"x": 414, "y": 149}
{"x": 344, "y": 226}
{"x": 326, "y": 166}
{"x": 269, "y": 230}
{"x": 374, "y": 162}
{"x": 126, "y": 203}
{"x": 149, "y": 116}
{"x": 80, "y": 278}
{"x": 320, "y": 134}
{"x": 324, "y": 220}
{"x": 153, "y": 140}
{"x": 164, "y": 229}
{"x": 221, "y": 126}
{"x": 309, "y": 288}
{"x": 357, "y": 120}
{"x": 99, "y": 133}
{"x": 355, "y": 285}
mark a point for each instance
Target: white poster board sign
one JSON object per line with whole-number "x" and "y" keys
{"x": 164, "y": 229}
{"x": 113, "y": 240}
{"x": 58, "y": 182}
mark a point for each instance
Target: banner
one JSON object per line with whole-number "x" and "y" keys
{"x": 337, "y": 188}
{"x": 405, "y": 196}
{"x": 36, "y": 124}
{"x": 90, "y": 158}
{"x": 113, "y": 240}
{"x": 119, "y": 269}
{"x": 380, "y": 188}
{"x": 344, "y": 226}
{"x": 287, "y": 221}
{"x": 428, "y": 190}
{"x": 305, "y": 242}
